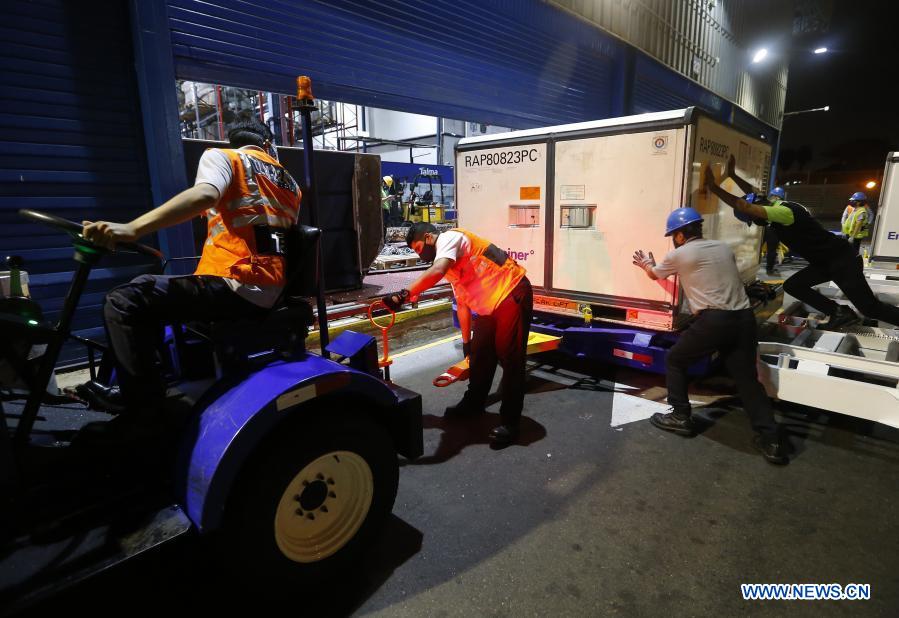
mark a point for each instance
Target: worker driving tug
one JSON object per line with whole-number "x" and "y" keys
{"x": 249, "y": 200}
{"x": 488, "y": 283}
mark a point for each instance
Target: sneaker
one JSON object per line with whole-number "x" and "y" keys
{"x": 843, "y": 317}
{"x": 681, "y": 425}
{"x": 772, "y": 449}
{"x": 503, "y": 435}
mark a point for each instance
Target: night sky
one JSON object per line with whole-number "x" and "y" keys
{"x": 857, "y": 78}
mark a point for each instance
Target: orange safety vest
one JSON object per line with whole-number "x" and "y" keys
{"x": 262, "y": 198}
{"x": 483, "y": 278}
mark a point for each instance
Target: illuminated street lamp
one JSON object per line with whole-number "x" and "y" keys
{"x": 870, "y": 184}
{"x": 826, "y": 108}
{"x": 821, "y": 50}
{"x": 759, "y": 55}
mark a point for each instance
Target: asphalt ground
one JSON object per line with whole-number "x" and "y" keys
{"x": 595, "y": 512}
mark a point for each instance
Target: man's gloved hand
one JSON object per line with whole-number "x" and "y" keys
{"x": 466, "y": 349}
{"x": 395, "y": 301}
{"x": 644, "y": 261}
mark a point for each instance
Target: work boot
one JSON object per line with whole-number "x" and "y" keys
{"x": 503, "y": 435}
{"x": 680, "y": 424}
{"x": 772, "y": 271}
{"x": 772, "y": 448}
{"x": 843, "y": 317}
{"x": 101, "y": 397}
{"x": 463, "y": 409}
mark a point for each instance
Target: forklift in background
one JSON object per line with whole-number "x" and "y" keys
{"x": 423, "y": 204}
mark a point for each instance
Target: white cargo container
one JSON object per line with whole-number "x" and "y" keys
{"x": 571, "y": 203}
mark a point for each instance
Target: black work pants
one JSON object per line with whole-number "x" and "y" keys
{"x": 771, "y": 244}
{"x": 856, "y": 244}
{"x": 502, "y": 337}
{"x": 734, "y": 336}
{"x": 136, "y": 312}
{"x": 846, "y": 271}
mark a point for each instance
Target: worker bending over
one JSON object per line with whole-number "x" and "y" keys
{"x": 829, "y": 257}
{"x": 724, "y": 323}
{"x": 487, "y": 282}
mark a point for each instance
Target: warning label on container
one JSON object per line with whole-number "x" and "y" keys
{"x": 529, "y": 193}
{"x": 573, "y": 192}
{"x": 557, "y": 305}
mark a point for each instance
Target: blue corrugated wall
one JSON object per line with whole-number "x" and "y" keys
{"x": 517, "y": 64}
{"x": 71, "y": 113}
{"x": 71, "y": 142}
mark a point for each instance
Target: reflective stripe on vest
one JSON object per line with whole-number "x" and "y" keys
{"x": 484, "y": 277}
{"x": 261, "y": 193}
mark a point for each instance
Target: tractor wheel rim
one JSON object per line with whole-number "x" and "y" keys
{"x": 323, "y": 507}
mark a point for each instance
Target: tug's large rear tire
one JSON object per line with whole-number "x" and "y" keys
{"x": 312, "y": 500}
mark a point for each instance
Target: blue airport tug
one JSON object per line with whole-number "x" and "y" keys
{"x": 284, "y": 459}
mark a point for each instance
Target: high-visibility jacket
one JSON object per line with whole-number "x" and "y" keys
{"x": 484, "y": 276}
{"x": 857, "y": 223}
{"x": 242, "y": 240}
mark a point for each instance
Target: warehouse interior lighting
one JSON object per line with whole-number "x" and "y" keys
{"x": 759, "y": 55}
{"x": 870, "y": 184}
{"x": 821, "y": 50}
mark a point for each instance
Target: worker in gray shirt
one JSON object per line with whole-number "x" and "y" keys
{"x": 724, "y": 323}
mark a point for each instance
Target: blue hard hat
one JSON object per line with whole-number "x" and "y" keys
{"x": 858, "y": 196}
{"x": 778, "y": 192}
{"x": 680, "y": 218}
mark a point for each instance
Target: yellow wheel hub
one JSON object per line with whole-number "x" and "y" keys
{"x": 324, "y": 506}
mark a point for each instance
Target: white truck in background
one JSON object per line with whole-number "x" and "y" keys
{"x": 885, "y": 237}
{"x": 571, "y": 203}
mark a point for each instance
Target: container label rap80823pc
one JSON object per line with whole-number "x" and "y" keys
{"x": 503, "y": 157}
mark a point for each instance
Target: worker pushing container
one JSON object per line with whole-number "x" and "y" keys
{"x": 572, "y": 202}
